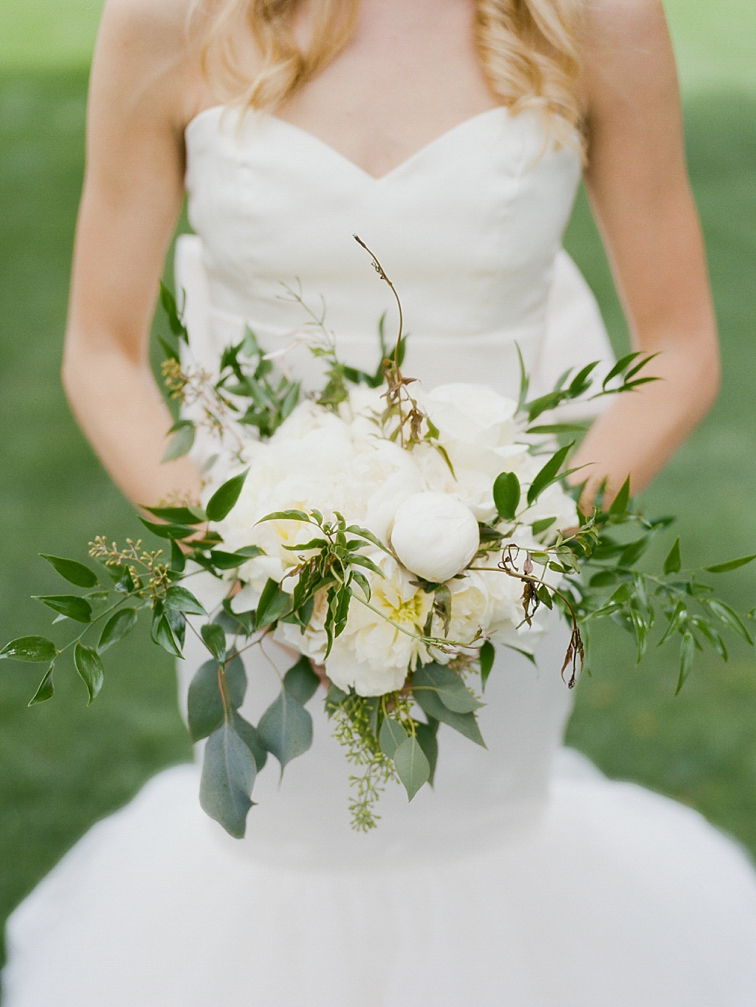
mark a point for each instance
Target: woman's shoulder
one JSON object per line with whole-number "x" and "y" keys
{"x": 144, "y": 45}
{"x": 149, "y": 22}
{"x": 621, "y": 20}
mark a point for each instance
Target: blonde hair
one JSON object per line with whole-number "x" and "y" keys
{"x": 528, "y": 50}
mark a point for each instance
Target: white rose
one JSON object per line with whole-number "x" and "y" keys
{"x": 472, "y": 413}
{"x": 434, "y": 535}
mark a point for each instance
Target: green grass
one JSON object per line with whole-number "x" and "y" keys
{"x": 64, "y": 765}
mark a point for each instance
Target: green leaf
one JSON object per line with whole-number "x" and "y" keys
{"x": 178, "y": 559}
{"x": 215, "y": 640}
{"x": 231, "y": 560}
{"x": 182, "y": 441}
{"x": 224, "y": 498}
{"x": 89, "y": 666}
{"x": 169, "y": 531}
{"x": 205, "y": 701}
{"x": 549, "y": 473}
{"x": 619, "y": 504}
{"x": 285, "y": 728}
{"x": 412, "y": 766}
{"x": 506, "y": 495}
{"x": 228, "y": 775}
{"x": 179, "y": 515}
{"x": 391, "y": 736}
{"x": 274, "y": 602}
{"x": 486, "y": 658}
{"x": 633, "y": 551}
{"x": 46, "y": 688}
{"x": 334, "y": 698}
{"x": 181, "y": 600}
{"x": 286, "y": 515}
{"x": 300, "y": 681}
{"x": 543, "y": 525}
{"x": 729, "y": 617}
{"x": 163, "y": 635}
{"x": 447, "y": 685}
{"x": 355, "y": 529}
{"x": 116, "y": 628}
{"x": 32, "y": 649}
{"x": 428, "y": 741}
{"x": 251, "y": 739}
{"x": 465, "y": 723}
{"x": 733, "y": 564}
{"x": 619, "y": 367}
{"x": 73, "y": 572}
{"x": 673, "y": 561}
{"x": 556, "y": 428}
{"x": 168, "y": 302}
{"x": 69, "y": 605}
{"x": 687, "y": 650}
{"x": 711, "y": 635}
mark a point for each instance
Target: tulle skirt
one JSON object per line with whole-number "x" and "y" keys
{"x": 617, "y": 897}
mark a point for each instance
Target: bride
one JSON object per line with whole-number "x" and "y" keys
{"x": 450, "y": 134}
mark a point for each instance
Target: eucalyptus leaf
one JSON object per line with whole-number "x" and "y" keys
{"x": 251, "y": 739}
{"x": 465, "y": 723}
{"x": 224, "y": 498}
{"x": 228, "y": 775}
{"x": 116, "y": 628}
{"x": 45, "y": 690}
{"x": 447, "y": 685}
{"x": 391, "y": 736}
{"x": 205, "y": 701}
{"x": 73, "y": 572}
{"x": 411, "y": 765}
{"x": 31, "y": 649}
{"x": 89, "y": 666}
{"x": 182, "y": 441}
{"x": 426, "y": 735}
{"x": 69, "y": 605}
{"x": 300, "y": 681}
{"x": 285, "y": 728}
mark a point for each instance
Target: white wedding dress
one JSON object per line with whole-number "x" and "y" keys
{"x": 525, "y": 878}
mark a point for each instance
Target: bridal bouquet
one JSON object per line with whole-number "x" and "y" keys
{"x": 391, "y": 536}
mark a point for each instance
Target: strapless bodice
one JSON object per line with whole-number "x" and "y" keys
{"x": 469, "y": 230}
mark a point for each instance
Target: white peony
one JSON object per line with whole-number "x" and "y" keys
{"x": 434, "y": 535}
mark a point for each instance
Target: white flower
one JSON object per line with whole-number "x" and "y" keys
{"x": 379, "y": 645}
{"x": 434, "y": 535}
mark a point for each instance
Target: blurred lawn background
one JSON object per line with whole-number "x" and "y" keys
{"x": 62, "y": 766}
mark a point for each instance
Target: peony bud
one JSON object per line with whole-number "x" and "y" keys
{"x": 434, "y": 536}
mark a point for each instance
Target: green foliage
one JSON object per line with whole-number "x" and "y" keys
{"x": 229, "y": 770}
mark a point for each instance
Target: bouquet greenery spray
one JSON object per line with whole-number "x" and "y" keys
{"x": 391, "y": 536}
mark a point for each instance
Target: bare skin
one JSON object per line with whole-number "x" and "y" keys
{"x": 409, "y": 74}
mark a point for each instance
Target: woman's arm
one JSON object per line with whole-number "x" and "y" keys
{"x": 133, "y": 190}
{"x": 639, "y": 190}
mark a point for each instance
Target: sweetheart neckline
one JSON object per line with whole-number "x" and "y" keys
{"x": 337, "y": 155}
